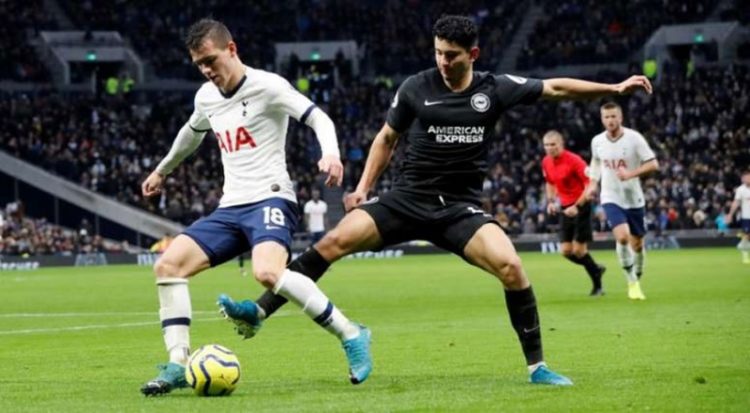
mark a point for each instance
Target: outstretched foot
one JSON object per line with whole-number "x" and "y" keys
{"x": 244, "y": 314}
{"x": 543, "y": 375}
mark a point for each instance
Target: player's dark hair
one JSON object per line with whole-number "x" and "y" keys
{"x": 460, "y": 30}
{"x": 207, "y": 29}
{"x": 747, "y": 172}
{"x": 611, "y": 105}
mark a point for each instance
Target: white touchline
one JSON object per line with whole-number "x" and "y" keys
{"x": 110, "y": 326}
{"x": 104, "y": 314}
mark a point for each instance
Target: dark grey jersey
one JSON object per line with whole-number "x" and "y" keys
{"x": 447, "y": 133}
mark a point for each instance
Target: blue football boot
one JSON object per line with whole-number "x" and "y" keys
{"x": 358, "y": 354}
{"x": 543, "y": 375}
{"x": 245, "y": 315}
{"x": 171, "y": 376}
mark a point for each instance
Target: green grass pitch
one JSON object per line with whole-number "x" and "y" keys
{"x": 85, "y": 339}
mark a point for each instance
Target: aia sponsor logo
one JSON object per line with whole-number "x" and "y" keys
{"x": 614, "y": 163}
{"x": 229, "y": 142}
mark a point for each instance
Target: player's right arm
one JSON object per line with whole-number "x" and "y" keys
{"x": 400, "y": 116}
{"x": 551, "y": 195}
{"x": 187, "y": 141}
{"x": 735, "y": 206}
{"x": 381, "y": 152}
{"x": 594, "y": 173}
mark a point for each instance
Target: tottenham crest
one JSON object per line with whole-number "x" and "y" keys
{"x": 480, "y": 102}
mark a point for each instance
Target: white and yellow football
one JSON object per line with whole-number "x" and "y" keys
{"x": 213, "y": 370}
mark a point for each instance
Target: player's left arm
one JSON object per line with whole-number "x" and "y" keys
{"x": 568, "y": 88}
{"x": 288, "y": 100}
{"x": 325, "y": 131}
{"x": 648, "y": 164}
{"x": 580, "y": 172}
{"x": 735, "y": 206}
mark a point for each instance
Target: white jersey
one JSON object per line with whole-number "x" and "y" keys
{"x": 250, "y": 125}
{"x": 316, "y": 212}
{"x": 742, "y": 195}
{"x": 629, "y": 151}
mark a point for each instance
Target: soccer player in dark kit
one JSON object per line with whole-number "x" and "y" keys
{"x": 446, "y": 115}
{"x": 565, "y": 176}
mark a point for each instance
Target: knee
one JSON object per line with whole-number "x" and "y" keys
{"x": 334, "y": 245}
{"x": 566, "y": 251}
{"x": 580, "y": 252}
{"x": 621, "y": 239}
{"x": 164, "y": 267}
{"x": 637, "y": 245}
{"x": 266, "y": 277}
{"x": 511, "y": 272}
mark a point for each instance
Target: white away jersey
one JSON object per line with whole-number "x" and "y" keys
{"x": 742, "y": 195}
{"x": 629, "y": 151}
{"x": 250, "y": 125}
{"x": 316, "y": 212}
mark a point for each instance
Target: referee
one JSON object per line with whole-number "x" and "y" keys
{"x": 565, "y": 175}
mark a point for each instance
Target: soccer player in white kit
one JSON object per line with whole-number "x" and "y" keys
{"x": 742, "y": 201}
{"x": 619, "y": 157}
{"x": 248, "y": 111}
{"x": 315, "y": 215}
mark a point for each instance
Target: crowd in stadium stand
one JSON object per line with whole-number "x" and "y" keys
{"x": 378, "y": 26}
{"x": 24, "y": 19}
{"x": 591, "y": 31}
{"x": 695, "y": 123}
{"x": 26, "y": 236}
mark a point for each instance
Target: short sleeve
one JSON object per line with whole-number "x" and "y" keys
{"x": 738, "y": 194}
{"x": 644, "y": 151}
{"x": 307, "y": 207}
{"x": 545, "y": 165}
{"x": 286, "y": 99}
{"x": 198, "y": 121}
{"x": 401, "y": 113}
{"x": 512, "y": 90}
{"x": 325, "y": 207}
{"x": 580, "y": 168}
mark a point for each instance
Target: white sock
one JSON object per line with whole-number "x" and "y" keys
{"x": 625, "y": 255}
{"x": 533, "y": 367}
{"x": 744, "y": 245}
{"x": 302, "y": 291}
{"x": 640, "y": 258}
{"x": 175, "y": 312}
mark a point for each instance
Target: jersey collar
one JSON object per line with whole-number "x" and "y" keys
{"x": 236, "y": 88}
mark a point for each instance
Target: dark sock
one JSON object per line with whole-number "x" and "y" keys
{"x": 525, "y": 320}
{"x": 310, "y": 264}
{"x": 591, "y": 267}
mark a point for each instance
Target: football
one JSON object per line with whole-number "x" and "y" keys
{"x": 213, "y": 370}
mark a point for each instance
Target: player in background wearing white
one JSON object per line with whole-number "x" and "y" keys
{"x": 315, "y": 216}
{"x": 742, "y": 201}
{"x": 249, "y": 111}
{"x": 619, "y": 157}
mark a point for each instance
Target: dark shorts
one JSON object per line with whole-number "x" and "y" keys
{"x": 402, "y": 216}
{"x": 577, "y": 228}
{"x": 228, "y": 232}
{"x": 745, "y": 225}
{"x": 634, "y": 217}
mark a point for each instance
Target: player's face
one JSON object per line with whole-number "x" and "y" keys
{"x": 453, "y": 61}
{"x": 612, "y": 119}
{"x": 746, "y": 179}
{"x": 214, "y": 62}
{"x": 552, "y": 146}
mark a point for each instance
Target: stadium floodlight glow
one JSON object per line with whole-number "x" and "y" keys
{"x": 91, "y": 56}
{"x": 699, "y": 38}
{"x": 315, "y": 55}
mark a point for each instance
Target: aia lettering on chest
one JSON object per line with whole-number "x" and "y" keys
{"x": 615, "y": 163}
{"x": 229, "y": 142}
